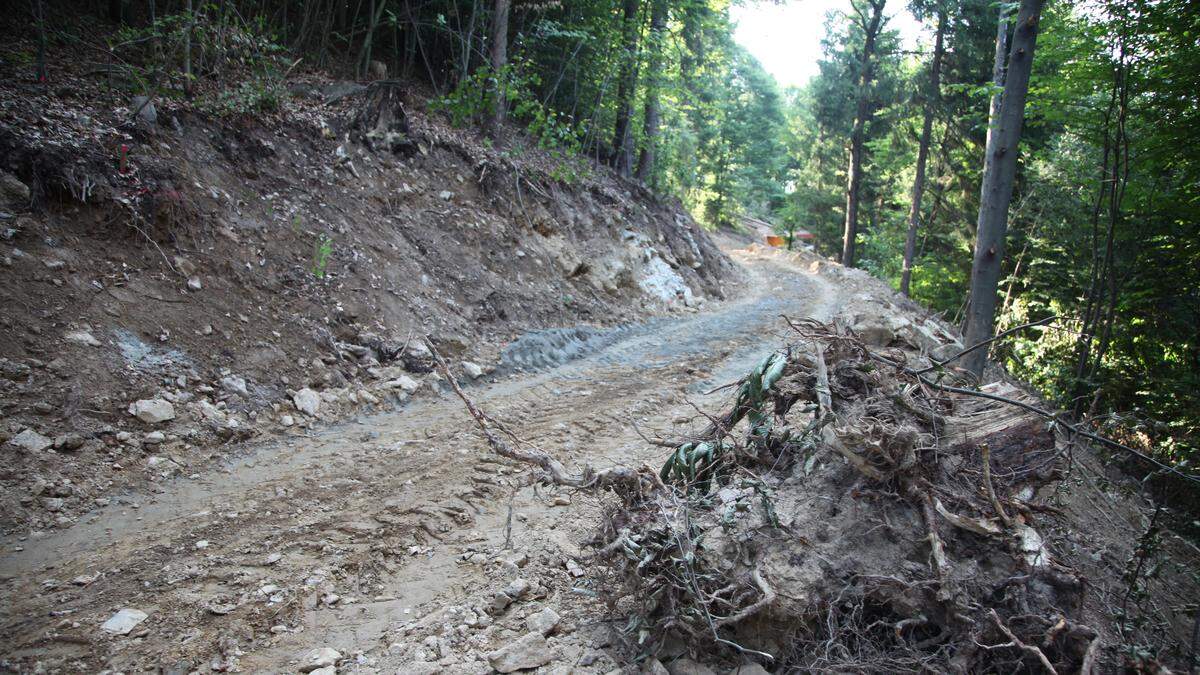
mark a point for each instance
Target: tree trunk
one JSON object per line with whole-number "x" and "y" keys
{"x": 499, "y": 61}
{"x": 658, "y": 25}
{"x": 871, "y": 28}
{"x": 623, "y": 136}
{"x": 918, "y": 191}
{"x": 187, "y": 50}
{"x": 377, "y": 8}
{"x": 39, "y": 16}
{"x": 999, "y": 173}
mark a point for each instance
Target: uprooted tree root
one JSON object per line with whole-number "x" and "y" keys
{"x": 841, "y": 514}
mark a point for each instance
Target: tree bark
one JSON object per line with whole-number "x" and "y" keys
{"x": 871, "y": 28}
{"x": 499, "y": 40}
{"x": 918, "y": 191}
{"x": 623, "y": 136}
{"x": 658, "y": 25}
{"x": 999, "y": 174}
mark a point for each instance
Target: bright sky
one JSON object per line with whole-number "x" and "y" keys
{"x": 786, "y": 38}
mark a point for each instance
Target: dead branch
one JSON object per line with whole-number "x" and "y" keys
{"x": 825, "y": 403}
{"x": 987, "y": 481}
{"x": 968, "y": 350}
{"x": 629, "y": 479}
{"x": 1014, "y": 641}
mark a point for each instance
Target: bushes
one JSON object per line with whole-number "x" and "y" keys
{"x": 234, "y": 66}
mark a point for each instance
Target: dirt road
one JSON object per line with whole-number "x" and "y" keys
{"x": 386, "y": 538}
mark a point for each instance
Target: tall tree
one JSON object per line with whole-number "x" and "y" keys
{"x": 654, "y": 77}
{"x": 626, "y": 84}
{"x": 999, "y": 174}
{"x": 871, "y": 23}
{"x": 499, "y": 39}
{"x": 931, "y": 101}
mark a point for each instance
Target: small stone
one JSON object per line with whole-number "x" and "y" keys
{"x": 154, "y": 437}
{"x": 688, "y": 667}
{"x": 152, "y": 411}
{"x": 30, "y": 441}
{"x": 202, "y": 544}
{"x": 327, "y": 670}
{"x": 124, "y": 621}
{"x": 69, "y": 442}
{"x": 307, "y": 401}
{"x": 530, "y": 651}
{"x": 749, "y": 669}
{"x": 543, "y": 622}
{"x": 319, "y": 658}
{"x": 273, "y": 558}
{"x": 560, "y": 500}
{"x": 194, "y": 283}
{"x": 404, "y": 383}
{"x": 654, "y": 667}
{"x": 82, "y": 337}
{"x": 445, "y": 195}
{"x": 286, "y": 420}
{"x": 517, "y": 588}
{"x": 235, "y": 384}
{"x": 52, "y": 504}
{"x": 473, "y": 370}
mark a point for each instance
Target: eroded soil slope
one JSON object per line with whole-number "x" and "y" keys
{"x": 247, "y": 276}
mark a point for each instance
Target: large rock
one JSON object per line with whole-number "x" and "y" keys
{"x": 473, "y": 370}
{"x": 307, "y": 401}
{"x": 30, "y": 441}
{"x": 530, "y": 651}
{"x": 123, "y": 621}
{"x": 319, "y": 658}
{"x": 404, "y": 383}
{"x": 152, "y": 411}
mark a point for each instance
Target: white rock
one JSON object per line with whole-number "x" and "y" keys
{"x": 307, "y": 401}
{"x": 319, "y": 658}
{"x": 405, "y": 383}
{"x": 194, "y": 283}
{"x": 235, "y": 384}
{"x": 530, "y": 651}
{"x": 472, "y": 370}
{"x": 154, "y": 437}
{"x": 124, "y": 621}
{"x": 30, "y": 441}
{"x": 286, "y": 420}
{"x": 82, "y": 337}
{"x": 543, "y": 622}
{"x": 327, "y": 670}
{"x": 152, "y": 411}
{"x": 446, "y": 195}
{"x": 749, "y": 669}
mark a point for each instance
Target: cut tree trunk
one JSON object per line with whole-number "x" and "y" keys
{"x": 999, "y": 174}
{"x": 871, "y": 28}
{"x": 931, "y": 103}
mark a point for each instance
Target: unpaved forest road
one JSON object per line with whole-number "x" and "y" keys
{"x": 379, "y": 512}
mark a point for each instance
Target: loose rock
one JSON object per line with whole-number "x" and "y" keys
{"x": 307, "y": 401}
{"x": 319, "y": 658}
{"x": 543, "y": 622}
{"x": 30, "y": 441}
{"x": 152, "y": 411}
{"x": 530, "y": 651}
{"x": 124, "y": 621}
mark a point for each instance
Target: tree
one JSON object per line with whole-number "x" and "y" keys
{"x": 871, "y": 27}
{"x": 499, "y": 42}
{"x": 626, "y": 86}
{"x": 1000, "y": 169}
{"x": 658, "y": 25}
{"x": 918, "y": 190}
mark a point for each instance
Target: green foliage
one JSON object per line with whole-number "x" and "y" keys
{"x": 321, "y": 252}
{"x": 239, "y": 61}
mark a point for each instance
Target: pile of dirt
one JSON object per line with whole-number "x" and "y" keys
{"x": 246, "y": 275}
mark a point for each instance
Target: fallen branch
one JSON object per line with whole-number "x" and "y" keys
{"x": 1014, "y": 641}
{"x": 938, "y": 364}
{"x": 625, "y": 477}
{"x": 825, "y": 412}
{"x": 987, "y": 481}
